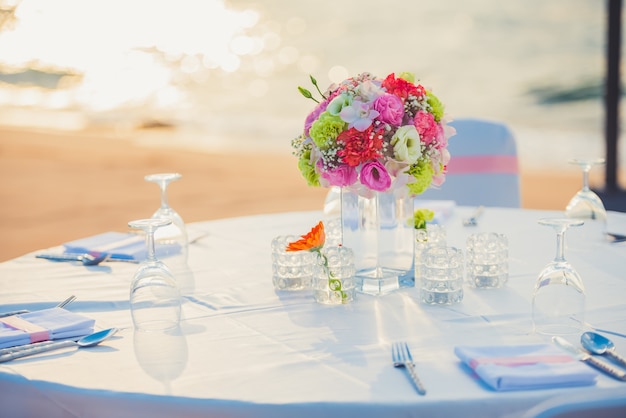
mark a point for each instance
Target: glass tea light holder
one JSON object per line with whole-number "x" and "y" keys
{"x": 487, "y": 260}
{"x": 334, "y": 282}
{"x": 432, "y": 235}
{"x": 291, "y": 270}
{"x": 441, "y": 281}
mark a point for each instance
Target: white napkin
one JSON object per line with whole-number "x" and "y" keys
{"x": 119, "y": 245}
{"x": 57, "y": 322}
{"x": 525, "y": 366}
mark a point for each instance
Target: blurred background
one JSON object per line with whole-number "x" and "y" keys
{"x": 224, "y": 73}
{"x": 96, "y": 94}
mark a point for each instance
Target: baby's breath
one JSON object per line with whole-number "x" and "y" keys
{"x": 300, "y": 145}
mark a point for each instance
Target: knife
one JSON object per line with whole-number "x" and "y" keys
{"x": 585, "y": 357}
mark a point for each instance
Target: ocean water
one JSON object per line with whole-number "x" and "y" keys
{"x": 535, "y": 65}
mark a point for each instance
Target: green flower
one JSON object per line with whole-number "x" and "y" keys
{"x": 410, "y": 77}
{"x": 423, "y": 173}
{"x": 326, "y": 127}
{"x": 421, "y": 216}
{"x": 308, "y": 170}
{"x": 436, "y": 107}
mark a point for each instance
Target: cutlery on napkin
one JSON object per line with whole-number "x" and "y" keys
{"x": 587, "y": 358}
{"x": 46, "y": 324}
{"x": 62, "y": 304}
{"x": 119, "y": 245}
{"x": 522, "y": 367}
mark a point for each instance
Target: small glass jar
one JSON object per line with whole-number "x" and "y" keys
{"x": 487, "y": 260}
{"x": 334, "y": 282}
{"x": 441, "y": 282}
{"x": 291, "y": 270}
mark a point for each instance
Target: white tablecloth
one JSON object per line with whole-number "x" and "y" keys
{"x": 245, "y": 350}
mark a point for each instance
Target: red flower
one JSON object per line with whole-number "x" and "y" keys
{"x": 313, "y": 241}
{"x": 402, "y": 88}
{"x": 360, "y": 146}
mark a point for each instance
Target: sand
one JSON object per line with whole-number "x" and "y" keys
{"x": 62, "y": 185}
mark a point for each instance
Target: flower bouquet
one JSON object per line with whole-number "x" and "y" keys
{"x": 374, "y": 134}
{"x": 382, "y": 141}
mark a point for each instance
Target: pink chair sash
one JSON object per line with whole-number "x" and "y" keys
{"x": 483, "y": 164}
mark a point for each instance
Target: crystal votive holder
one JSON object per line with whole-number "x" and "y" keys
{"x": 441, "y": 281}
{"x": 334, "y": 282}
{"x": 434, "y": 234}
{"x": 291, "y": 270}
{"x": 487, "y": 260}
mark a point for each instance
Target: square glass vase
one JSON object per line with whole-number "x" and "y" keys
{"x": 378, "y": 227}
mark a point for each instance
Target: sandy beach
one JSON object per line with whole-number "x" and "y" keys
{"x": 63, "y": 185}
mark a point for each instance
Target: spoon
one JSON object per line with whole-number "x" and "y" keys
{"x": 87, "y": 341}
{"x": 88, "y": 259}
{"x": 599, "y": 344}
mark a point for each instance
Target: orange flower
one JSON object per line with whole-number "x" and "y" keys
{"x": 313, "y": 241}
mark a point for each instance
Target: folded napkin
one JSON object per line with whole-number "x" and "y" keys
{"x": 42, "y": 325}
{"x": 119, "y": 246}
{"x": 525, "y": 367}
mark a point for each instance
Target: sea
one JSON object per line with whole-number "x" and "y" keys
{"x": 224, "y": 74}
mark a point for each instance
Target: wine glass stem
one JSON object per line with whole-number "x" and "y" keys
{"x": 560, "y": 246}
{"x": 164, "y": 203}
{"x": 150, "y": 244}
{"x": 586, "y": 178}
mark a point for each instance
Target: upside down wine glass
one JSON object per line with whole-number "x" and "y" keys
{"x": 171, "y": 240}
{"x": 154, "y": 294}
{"x": 586, "y": 205}
{"x": 558, "y": 304}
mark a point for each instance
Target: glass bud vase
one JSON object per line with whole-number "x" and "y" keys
{"x": 379, "y": 229}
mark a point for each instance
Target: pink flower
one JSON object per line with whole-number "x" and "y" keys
{"x": 426, "y": 126}
{"x": 375, "y": 176}
{"x": 319, "y": 109}
{"x": 390, "y": 108}
{"x": 343, "y": 175}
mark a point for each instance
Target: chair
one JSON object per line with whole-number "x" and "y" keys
{"x": 610, "y": 403}
{"x": 483, "y": 168}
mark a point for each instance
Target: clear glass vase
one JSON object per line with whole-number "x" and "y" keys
{"x": 378, "y": 227}
{"x": 333, "y": 281}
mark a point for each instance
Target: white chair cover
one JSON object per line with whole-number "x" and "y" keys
{"x": 483, "y": 169}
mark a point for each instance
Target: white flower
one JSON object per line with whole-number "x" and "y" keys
{"x": 406, "y": 144}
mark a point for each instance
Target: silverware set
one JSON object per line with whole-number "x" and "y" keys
{"x": 401, "y": 356}
{"x": 595, "y": 344}
{"x": 12, "y": 353}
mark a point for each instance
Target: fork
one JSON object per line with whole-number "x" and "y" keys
{"x": 23, "y": 311}
{"x": 473, "y": 220}
{"x": 401, "y": 356}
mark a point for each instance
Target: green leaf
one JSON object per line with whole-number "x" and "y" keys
{"x": 306, "y": 94}
{"x": 314, "y": 81}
